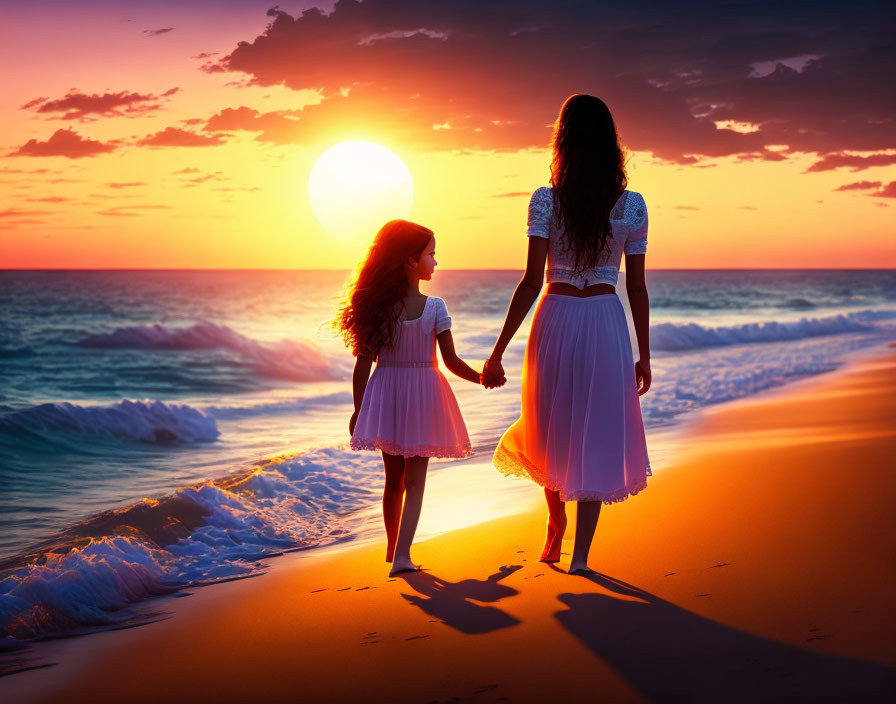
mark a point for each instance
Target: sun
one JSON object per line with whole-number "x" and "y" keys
{"x": 355, "y": 187}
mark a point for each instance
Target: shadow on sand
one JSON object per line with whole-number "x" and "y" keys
{"x": 450, "y": 601}
{"x": 671, "y": 654}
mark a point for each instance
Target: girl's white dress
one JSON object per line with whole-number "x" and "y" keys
{"x": 408, "y": 407}
{"x": 580, "y": 430}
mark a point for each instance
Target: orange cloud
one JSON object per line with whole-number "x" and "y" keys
{"x": 80, "y": 106}
{"x": 857, "y": 163}
{"x": 67, "y": 143}
{"x": 859, "y": 186}
{"x": 888, "y": 191}
{"x": 175, "y": 137}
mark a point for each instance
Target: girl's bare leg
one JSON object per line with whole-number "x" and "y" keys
{"x": 393, "y": 495}
{"x": 414, "y": 483}
{"x": 556, "y": 526}
{"x": 587, "y": 513}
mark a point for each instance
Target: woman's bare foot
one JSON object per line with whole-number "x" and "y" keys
{"x": 403, "y": 564}
{"x": 554, "y": 541}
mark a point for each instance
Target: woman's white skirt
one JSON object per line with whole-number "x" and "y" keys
{"x": 580, "y": 430}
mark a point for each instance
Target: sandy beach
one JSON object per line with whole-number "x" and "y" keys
{"x": 758, "y": 566}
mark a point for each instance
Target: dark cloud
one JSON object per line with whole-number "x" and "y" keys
{"x": 67, "y": 143}
{"x": 859, "y": 186}
{"x": 888, "y": 191}
{"x": 857, "y": 163}
{"x": 157, "y": 32}
{"x": 174, "y": 137}
{"x": 125, "y": 184}
{"x": 33, "y": 103}
{"x": 469, "y": 74}
{"x": 81, "y": 106}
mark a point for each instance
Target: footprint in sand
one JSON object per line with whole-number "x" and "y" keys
{"x": 721, "y": 564}
{"x": 417, "y": 637}
{"x": 361, "y": 589}
{"x": 702, "y": 595}
{"x": 344, "y": 589}
{"x": 669, "y": 574}
{"x": 318, "y": 590}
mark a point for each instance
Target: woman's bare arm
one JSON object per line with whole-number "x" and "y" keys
{"x": 524, "y": 296}
{"x": 636, "y": 288}
{"x": 453, "y": 363}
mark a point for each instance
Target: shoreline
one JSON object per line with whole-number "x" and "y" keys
{"x": 781, "y": 567}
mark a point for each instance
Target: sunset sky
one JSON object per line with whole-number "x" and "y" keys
{"x": 182, "y": 134}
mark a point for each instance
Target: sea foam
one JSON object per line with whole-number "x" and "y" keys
{"x": 91, "y": 574}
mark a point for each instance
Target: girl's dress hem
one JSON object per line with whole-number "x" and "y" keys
{"x": 393, "y": 448}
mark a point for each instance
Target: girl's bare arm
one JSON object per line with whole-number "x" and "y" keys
{"x": 453, "y": 363}
{"x": 359, "y": 383}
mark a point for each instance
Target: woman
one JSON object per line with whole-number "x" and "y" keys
{"x": 580, "y": 433}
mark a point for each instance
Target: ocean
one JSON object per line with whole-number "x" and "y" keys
{"x": 168, "y": 429}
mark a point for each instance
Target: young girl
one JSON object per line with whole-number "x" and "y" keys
{"x": 405, "y": 409}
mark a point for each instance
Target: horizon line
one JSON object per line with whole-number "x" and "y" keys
{"x": 343, "y": 269}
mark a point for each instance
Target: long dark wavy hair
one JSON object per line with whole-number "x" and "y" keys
{"x": 369, "y": 315}
{"x": 587, "y": 174}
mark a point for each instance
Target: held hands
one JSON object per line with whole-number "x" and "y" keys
{"x": 642, "y": 376}
{"x": 492, "y": 375}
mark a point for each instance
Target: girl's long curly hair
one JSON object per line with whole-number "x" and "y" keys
{"x": 369, "y": 313}
{"x": 587, "y": 174}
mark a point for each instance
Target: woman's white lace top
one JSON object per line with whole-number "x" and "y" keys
{"x": 628, "y": 220}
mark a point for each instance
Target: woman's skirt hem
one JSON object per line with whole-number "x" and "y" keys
{"x": 520, "y": 466}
